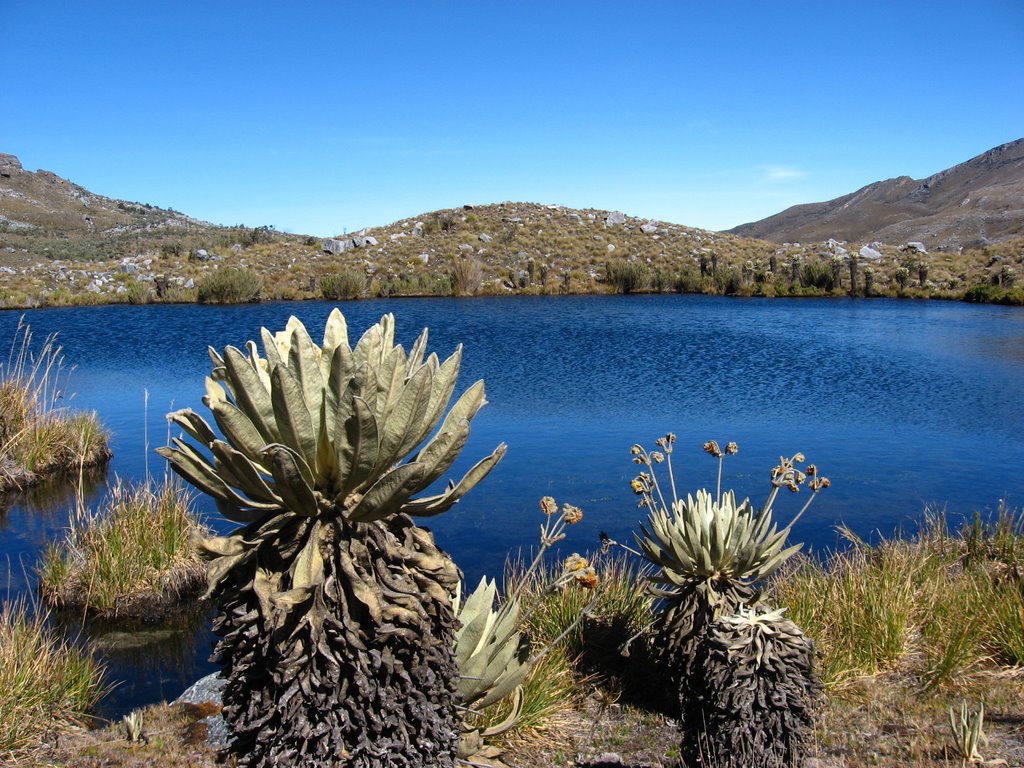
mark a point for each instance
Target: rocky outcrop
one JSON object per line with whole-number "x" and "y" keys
{"x": 9, "y": 165}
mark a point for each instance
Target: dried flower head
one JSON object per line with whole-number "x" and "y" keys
{"x": 587, "y": 578}
{"x": 636, "y": 450}
{"x": 732, "y": 449}
{"x": 818, "y": 483}
{"x": 572, "y": 514}
{"x": 812, "y": 470}
{"x": 658, "y": 457}
{"x": 711, "y": 447}
{"x": 548, "y": 506}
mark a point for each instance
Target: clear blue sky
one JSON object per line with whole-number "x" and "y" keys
{"x": 317, "y": 117}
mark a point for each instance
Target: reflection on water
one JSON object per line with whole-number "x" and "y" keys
{"x": 902, "y": 404}
{"x": 147, "y": 661}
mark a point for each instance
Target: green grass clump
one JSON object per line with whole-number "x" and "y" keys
{"x": 938, "y": 606}
{"x": 46, "y": 682}
{"x": 621, "y": 607}
{"x": 627, "y": 276}
{"x": 230, "y": 285}
{"x": 37, "y": 437}
{"x": 343, "y": 284}
{"x": 130, "y": 558}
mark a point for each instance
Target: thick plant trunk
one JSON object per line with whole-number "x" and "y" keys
{"x": 360, "y": 670}
{"x": 678, "y": 632}
{"x": 757, "y": 690}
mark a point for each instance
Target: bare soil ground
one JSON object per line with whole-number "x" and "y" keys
{"x": 880, "y": 721}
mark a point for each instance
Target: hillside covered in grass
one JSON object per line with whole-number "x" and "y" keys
{"x": 63, "y": 245}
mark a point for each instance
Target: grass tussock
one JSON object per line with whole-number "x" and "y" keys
{"x": 38, "y": 436}
{"x": 939, "y": 606}
{"x": 132, "y": 557}
{"x": 230, "y": 285}
{"x": 621, "y": 606}
{"x": 338, "y": 285}
{"x": 46, "y": 682}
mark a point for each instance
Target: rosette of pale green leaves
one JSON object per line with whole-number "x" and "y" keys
{"x": 493, "y": 659}
{"x": 321, "y": 431}
{"x": 492, "y": 653}
{"x": 702, "y": 539}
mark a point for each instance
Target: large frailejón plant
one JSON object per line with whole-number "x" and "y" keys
{"x": 334, "y": 608}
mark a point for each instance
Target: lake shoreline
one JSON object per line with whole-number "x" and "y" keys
{"x": 85, "y": 299}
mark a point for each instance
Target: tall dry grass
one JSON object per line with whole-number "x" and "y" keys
{"x": 940, "y": 605}
{"x": 45, "y": 682}
{"x": 39, "y": 436}
{"x": 131, "y": 557}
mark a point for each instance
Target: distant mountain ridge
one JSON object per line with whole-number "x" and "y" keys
{"x": 978, "y": 202}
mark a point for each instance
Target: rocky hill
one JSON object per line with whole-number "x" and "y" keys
{"x": 42, "y": 205}
{"x": 61, "y": 244}
{"x": 976, "y": 203}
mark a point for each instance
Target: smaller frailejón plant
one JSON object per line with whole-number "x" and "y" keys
{"x": 494, "y": 659}
{"x": 334, "y": 609}
{"x": 969, "y": 736}
{"x": 711, "y": 553}
{"x": 494, "y": 654}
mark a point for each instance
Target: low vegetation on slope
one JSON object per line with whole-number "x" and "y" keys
{"x": 502, "y": 249}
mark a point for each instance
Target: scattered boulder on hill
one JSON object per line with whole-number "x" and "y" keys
{"x": 914, "y": 245}
{"x": 869, "y": 253}
{"x": 335, "y": 246}
{"x": 614, "y": 218}
{"x": 649, "y": 228}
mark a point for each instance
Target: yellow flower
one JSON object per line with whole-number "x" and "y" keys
{"x": 575, "y": 562}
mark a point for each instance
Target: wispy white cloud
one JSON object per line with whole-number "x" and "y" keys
{"x": 773, "y": 173}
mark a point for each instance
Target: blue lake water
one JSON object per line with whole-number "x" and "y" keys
{"x": 902, "y": 404}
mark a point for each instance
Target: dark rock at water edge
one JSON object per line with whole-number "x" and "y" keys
{"x": 209, "y": 690}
